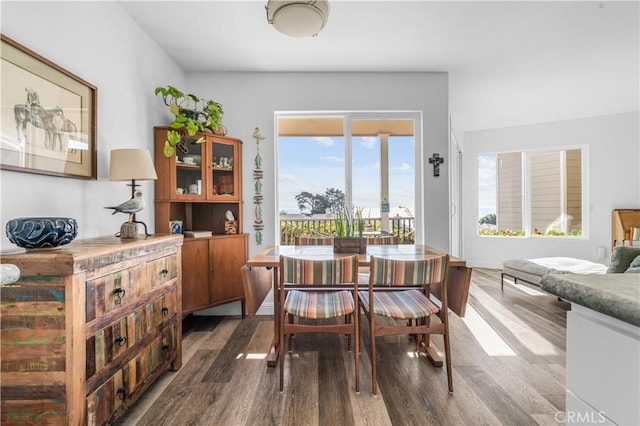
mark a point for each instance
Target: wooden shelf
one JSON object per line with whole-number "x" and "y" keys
{"x": 188, "y": 166}
{"x": 622, "y": 220}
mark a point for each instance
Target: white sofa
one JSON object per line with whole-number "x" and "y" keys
{"x": 531, "y": 271}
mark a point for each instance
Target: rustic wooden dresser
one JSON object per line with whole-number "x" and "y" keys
{"x": 88, "y": 327}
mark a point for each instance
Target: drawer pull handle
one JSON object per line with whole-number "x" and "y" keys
{"x": 121, "y": 341}
{"x": 164, "y": 272}
{"x": 165, "y": 311}
{"x": 122, "y": 393}
{"x": 119, "y": 294}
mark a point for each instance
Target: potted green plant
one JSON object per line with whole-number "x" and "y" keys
{"x": 191, "y": 114}
{"x": 213, "y": 111}
{"x": 349, "y": 231}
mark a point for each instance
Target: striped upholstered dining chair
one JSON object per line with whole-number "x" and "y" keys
{"x": 314, "y": 240}
{"x": 382, "y": 240}
{"x": 376, "y": 240}
{"x": 400, "y": 290}
{"x": 316, "y": 289}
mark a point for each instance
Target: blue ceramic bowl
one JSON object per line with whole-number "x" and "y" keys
{"x": 41, "y": 232}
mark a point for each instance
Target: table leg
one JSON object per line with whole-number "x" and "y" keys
{"x": 433, "y": 355}
{"x": 272, "y": 356}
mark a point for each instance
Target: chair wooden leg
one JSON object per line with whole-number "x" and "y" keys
{"x": 356, "y": 350}
{"x": 447, "y": 354}
{"x": 424, "y": 338}
{"x": 347, "y": 320}
{"x": 360, "y": 325}
{"x": 291, "y": 320}
{"x": 418, "y": 336}
{"x": 282, "y": 349}
{"x": 374, "y": 381}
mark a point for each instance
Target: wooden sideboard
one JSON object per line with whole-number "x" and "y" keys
{"x": 88, "y": 327}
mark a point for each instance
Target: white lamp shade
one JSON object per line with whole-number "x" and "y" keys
{"x": 298, "y": 18}
{"x": 131, "y": 164}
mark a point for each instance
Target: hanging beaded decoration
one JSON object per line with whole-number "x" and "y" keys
{"x": 257, "y": 197}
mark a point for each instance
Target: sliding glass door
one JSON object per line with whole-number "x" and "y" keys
{"x": 365, "y": 161}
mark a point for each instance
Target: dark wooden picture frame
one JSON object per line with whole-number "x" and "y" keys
{"x": 48, "y": 116}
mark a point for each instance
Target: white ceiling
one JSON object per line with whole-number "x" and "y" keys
{"x": 389, "y": 35}
{"x": 509, "y": 62}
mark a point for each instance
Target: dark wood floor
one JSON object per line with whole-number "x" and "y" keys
{"x": 508, "y": 358}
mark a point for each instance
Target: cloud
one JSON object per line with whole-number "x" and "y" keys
{"x": 333, "y": 158}
{"x": 486, "y": 179}
{"x": 368, "y": 141}
{"x": 287, "y": 178}
{"x": 402, "y": 167}
{"x": 487, "y": 173}
{"x": 487, "y": 161}
{"x": 323, "y": 141}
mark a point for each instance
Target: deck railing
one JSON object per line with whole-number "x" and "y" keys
{"x": 290, "y": 228}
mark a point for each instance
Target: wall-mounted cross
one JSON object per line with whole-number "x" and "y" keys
{"x": 436, "y": 160}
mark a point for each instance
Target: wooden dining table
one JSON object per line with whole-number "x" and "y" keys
{"x": 260, "y": 275}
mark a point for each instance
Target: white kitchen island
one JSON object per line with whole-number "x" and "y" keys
{"x": 603, "y": 347}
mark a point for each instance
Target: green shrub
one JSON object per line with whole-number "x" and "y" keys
{"x": 502, "y": 232}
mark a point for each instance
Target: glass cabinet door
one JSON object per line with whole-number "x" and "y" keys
{"x": 224, "y": 182}
{"x": 189, "y": 172}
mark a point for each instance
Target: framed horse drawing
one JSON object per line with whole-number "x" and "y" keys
{"x": 48, "y": 116}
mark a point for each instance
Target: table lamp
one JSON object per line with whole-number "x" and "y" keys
{"x": 131, "y": 164}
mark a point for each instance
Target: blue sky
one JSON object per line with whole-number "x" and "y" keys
{"x": 314, "y": 164}
{"x": 486, "y": 184}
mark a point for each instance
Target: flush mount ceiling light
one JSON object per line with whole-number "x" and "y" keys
{"x": 298, "y": 18}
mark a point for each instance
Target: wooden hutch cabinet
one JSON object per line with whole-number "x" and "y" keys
{"x": 198, "y": 188}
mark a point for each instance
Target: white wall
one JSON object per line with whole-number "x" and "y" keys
{"x": 502, "y": 98}
{"x": 250, "y": 100}
{"x": 101, "y": 44}
{"x": 614, "y": 182}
